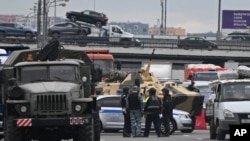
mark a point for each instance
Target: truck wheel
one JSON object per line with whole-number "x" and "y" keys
{"x": 221, "y": 135}
{"x": 13, "y": 132}
{"x": 97, "y": 129}
{"x": 84, "y": 133}
{"x": 212, "y": 129}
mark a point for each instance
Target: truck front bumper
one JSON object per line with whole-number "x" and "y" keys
{"x": 40, "y": 122}
{"x": 224, "y": 125}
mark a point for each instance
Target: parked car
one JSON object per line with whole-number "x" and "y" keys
{"x": 16, "y": 30}
{"x": 112, "y": 118}
{"x": 67, "y": 28}
{"x": 237, "y": 38}
{"x": 196, "y": 43}
{"x": 88, "y": 16}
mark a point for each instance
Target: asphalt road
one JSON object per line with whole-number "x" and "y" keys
{"x": 197, "y": 135}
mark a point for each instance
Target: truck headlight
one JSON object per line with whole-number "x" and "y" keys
{"x": 228, "y": 114}
{"x": 23, "y": 109}
{"x": 78, "y": 108}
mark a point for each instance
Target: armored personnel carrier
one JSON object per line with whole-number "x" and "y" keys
{"x": 183, "y": 99}
{"x": 47, "y": 95}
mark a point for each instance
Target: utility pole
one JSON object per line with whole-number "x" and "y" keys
{"x": 55, "y": 12}
{"x": 165, "y": 24}
{"x": 44, "y": 22}
{"x": 161, "y": 17}
{"x": 218, "y": 37}
{"x": 39, "y": 9}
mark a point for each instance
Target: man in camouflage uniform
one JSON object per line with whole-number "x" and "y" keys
{"x": 135, "y": 107}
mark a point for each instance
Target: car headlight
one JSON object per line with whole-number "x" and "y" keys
{"x": 228, "y": 114}
{"x": 183, "y": 116}
{"x": 78, "y": 108}
{"x": 23, "y": 109}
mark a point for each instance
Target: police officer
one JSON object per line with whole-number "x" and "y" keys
{"x": 152, "y": 112}
{"x": 167, "y": 110}
{"x": 135, "y": 107}
{"x": 127, "y": 124}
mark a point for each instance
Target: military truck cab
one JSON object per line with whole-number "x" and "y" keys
{"x": 228, "y": 105}
{"x": 49, "y": 100}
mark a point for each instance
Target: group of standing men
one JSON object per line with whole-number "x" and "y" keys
{"x": 134, "y": 108}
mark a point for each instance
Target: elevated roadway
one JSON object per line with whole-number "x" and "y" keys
{"x": 175, "y": 54}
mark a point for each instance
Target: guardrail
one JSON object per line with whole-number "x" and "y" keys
{"x": 145, "y": 43}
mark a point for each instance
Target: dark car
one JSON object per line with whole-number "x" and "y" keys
{"x": 196, "y": 42}
{"x": 16, "y": 30}
{"x": 88, "y": 16}
{"x": 67, "y": 28}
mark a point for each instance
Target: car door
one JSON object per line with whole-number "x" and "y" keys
{"x": 111, "y": 113}
{"x": 18, "y": 29}
{"x": 72, "y": 29}
{"x": 86, "y": 17}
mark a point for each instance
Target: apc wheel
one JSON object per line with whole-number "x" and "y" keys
{"x": 73, "y": 18}
{"x": 13, "y": 132}
{"x": 212, "y": 129}
{"x": 84, "y": 133}
{"x": 28, "y": 35}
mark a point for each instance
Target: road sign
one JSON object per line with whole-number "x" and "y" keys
{"x": 235, "y": 19}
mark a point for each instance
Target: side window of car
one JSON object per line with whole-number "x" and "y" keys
{"x": 111, "y": 102}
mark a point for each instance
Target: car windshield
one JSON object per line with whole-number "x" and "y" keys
{"x": 49, "y": 73}
{"x": 205, "y": 76}
{"x": 236, "y": 91}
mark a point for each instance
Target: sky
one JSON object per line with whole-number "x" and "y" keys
{"x": 196, "y": 16}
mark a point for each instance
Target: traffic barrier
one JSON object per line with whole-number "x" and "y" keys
{"x": 200, "y": 121}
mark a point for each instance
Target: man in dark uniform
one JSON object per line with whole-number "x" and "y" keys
{"x": 167, "y": 110}
{"x": 127, "y": 124}
{"x": 152, "y": 112}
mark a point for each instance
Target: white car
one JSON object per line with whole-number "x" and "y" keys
{"x": 112, "y": 119}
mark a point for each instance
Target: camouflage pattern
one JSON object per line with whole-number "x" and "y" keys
{"x": 183, "y": 99}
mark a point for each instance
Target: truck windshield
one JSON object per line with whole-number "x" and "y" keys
{"x": 205, "y": 76}
{"x": 49, "y": 73}
{"x": 105, "y": 65}
{"x": 236, "y": 91}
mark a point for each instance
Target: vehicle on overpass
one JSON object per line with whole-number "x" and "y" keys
{"x": 67, "y": 29}
{"x": 112, "y": 119}
{"x": 196, "y": 43}
{"x": 47, "y": 95}
{"x": 16, "y": 30}
{"x": 88, "y": 16}
{"x": 111, "y": 35}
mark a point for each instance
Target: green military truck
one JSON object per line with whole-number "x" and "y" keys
{"x": 47, "y": 95}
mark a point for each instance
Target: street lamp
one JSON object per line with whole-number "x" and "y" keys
{"x": 218, "y": 36}
{"x": 34, "y": 8}
{"x": 55, "y": 1}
